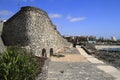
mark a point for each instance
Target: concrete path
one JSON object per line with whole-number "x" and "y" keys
{"x": 114, "y": 72}
{"x": 80, "y": 67}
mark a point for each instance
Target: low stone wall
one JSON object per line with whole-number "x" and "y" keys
{"x": 2, "y": 47}
{"x": 89, "y": 51}
{"x": 1, "y": 26}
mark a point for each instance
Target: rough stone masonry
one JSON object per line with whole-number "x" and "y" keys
{"x": 32, "y": 28}
{"x": 2, "y": 47}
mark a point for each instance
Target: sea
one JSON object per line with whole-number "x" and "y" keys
{"x": 111, "y": 49}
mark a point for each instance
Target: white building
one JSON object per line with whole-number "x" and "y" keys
{"x": 113, "y": 38}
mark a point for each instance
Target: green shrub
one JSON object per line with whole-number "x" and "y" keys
{"x": 17, "y": 64}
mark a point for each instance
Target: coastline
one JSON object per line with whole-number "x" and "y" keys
{"x": 100, "y": 47}
{"x": 108, "y": 56}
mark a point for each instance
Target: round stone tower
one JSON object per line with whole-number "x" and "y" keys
{"x": 32, "y": 28}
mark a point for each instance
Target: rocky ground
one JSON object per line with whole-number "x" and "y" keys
{"x": 110, "y": 57}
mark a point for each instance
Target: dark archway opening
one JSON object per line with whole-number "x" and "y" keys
{"x": 51, "y": 51}
{"x": 44, "y": 52}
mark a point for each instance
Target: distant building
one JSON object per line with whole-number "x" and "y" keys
{"x": 92, "y": 42}
{"x": 113, "y": 38}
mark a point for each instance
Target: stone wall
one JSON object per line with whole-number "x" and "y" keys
{"x": 1, "y": 26}
{"x": 2, "y": 47}
{"x": 32, "y": 28}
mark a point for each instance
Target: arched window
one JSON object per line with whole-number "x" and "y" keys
{"x": 51, "y": 51}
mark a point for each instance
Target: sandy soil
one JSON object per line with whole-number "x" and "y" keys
{"x": 69, "y": 58}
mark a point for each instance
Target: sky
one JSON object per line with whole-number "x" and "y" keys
{"x": 100, "y": 18}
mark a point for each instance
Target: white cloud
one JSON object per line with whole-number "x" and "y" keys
{"x": 75, "y": 19}
{"x": 5, "y": 12}
{"x": 69, "y": 17}
{"x": 55, "y": 15}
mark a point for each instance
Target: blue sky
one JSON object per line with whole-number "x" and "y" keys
{"x": 74, "y": 17}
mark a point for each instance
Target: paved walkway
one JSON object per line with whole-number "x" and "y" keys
{"x": 80, "y": 67}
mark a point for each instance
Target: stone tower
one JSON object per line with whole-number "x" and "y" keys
{"x": 32, "y": 28}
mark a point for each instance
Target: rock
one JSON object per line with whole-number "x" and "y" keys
{"x": 32, "y": 28}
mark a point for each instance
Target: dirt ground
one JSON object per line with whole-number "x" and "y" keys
{"x": 68, "y": 58}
